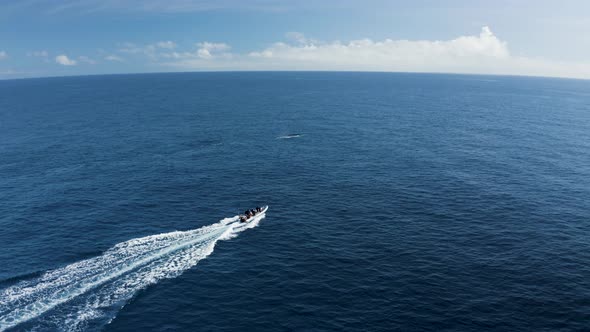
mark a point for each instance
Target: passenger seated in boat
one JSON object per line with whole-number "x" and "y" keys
{"x": 242, "y": 218}
{"x": 258, "y": 209}
{"x": 253, "y": 212}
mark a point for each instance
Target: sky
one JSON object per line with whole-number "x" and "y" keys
{"x": 40, "y": 38}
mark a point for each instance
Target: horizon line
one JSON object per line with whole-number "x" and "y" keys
{"x": 295, "y": 71}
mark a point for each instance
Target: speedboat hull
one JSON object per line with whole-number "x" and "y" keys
{"x": 257, "y": 215}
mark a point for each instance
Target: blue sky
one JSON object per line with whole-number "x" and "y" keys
{"x": 53, "y": 38}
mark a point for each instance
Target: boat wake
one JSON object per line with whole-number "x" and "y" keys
{"x": 290, "y": 136}
{"x": 88, "y": 294}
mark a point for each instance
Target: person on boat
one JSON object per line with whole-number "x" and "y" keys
{"x": 253, "y": 212}
{"x": 247, "y": 213}
{"x": 242, "y": 218}
{"x": 258, "y": 209}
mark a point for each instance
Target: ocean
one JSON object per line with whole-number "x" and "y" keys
{"x": 409, "y": 202}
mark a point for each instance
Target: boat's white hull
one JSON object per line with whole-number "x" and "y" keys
{"x": 252, "y": 222}
{"x": 257, "y": 215}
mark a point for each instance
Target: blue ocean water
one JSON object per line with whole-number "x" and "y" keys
{"x": 412, "y": 202}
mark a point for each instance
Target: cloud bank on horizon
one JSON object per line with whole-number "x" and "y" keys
{"x": 477, "y": 54}
{"x": 484, "y": 53}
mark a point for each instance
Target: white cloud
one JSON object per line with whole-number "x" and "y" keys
{"x": 3, "y": 55}
{"x": 207, "y": 50}
{"x": 396, "y": 55}
{"x": 478, "y": 54}
{"x": 65, "y": 61}
{"x": 114, "y": 58}
{"x": 299, "y": 38}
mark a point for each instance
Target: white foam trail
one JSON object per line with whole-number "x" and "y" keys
{"x": 94, "y": 289}
{"x": 290, "y": 136}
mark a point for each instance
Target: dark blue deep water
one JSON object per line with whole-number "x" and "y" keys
{"x": 408, "y": 202}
